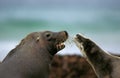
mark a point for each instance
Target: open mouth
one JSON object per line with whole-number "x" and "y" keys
{"x": 60, "y": 46}
{"x": 79, "y": 44}
{"x": 60, "y": 42}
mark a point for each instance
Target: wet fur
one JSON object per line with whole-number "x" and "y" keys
{"x": 104, "y": 64}
{"x": 33, "y": 56}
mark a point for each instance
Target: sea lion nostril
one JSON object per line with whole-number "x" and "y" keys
{"x": 77, "y": 35}
{"x": 66, "y": 33}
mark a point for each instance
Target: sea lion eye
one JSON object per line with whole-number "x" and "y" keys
{"x": 48, "y": 34}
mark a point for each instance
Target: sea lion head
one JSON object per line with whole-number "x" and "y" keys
{"x": 87, "y": 46}
{"x": 48, "y": 40}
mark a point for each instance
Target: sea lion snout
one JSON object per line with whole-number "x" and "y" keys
{"x": 80, "y": 41}
{"x": 61, "y": 37}
{"x": 80, "y": 38}
{"x": 66, "y": 34}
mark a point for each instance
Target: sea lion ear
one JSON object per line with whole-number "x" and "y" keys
{"x": 37, "y": 38}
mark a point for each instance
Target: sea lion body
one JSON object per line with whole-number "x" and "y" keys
{"x": 104, "y": 64}
{"x": 33, "y": 56}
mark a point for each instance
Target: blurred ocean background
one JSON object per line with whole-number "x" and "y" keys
{"x": 96, "y": 19}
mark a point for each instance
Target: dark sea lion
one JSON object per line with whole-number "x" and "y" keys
{"x": 32, "y": 57}
{"x": 104, "y": 64}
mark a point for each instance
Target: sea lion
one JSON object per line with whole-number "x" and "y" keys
{"x": 104, "y": 64}
{"x": 32, "y": 57}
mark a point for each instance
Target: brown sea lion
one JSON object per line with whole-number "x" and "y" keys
{"x": 32, "y": 57}
{"x": 104, "y": 64}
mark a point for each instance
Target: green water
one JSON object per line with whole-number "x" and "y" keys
{"x": 102, "y": 26}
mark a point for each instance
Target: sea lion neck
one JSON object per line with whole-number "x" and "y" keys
{"x": 30, "y": 50}
{"x": 40, "y": 52}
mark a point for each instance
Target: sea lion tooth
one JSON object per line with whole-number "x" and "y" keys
{"x": 60, "y": 46}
